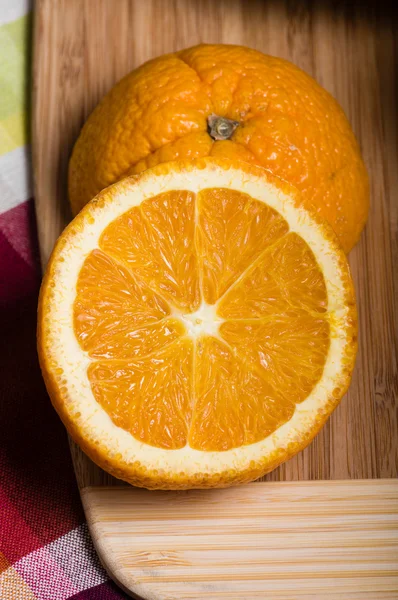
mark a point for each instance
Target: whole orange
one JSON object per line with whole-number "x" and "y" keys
{"x": 233, "y": 102}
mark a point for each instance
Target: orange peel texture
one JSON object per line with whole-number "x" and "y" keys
{"x": 286, "y": 123}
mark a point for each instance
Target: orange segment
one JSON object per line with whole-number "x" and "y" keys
{"x": 289, "y": 351}
{"x": 156, "y": 241}
{"x": 122, "y": 341}
{"x": 234, "y": 405}
{"x": 233, "y": 229}
{"x": 286, "y": 278}
{"x": 116, "y": 315}
{"x": 149, "y": 397}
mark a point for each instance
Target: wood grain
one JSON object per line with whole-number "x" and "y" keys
{"x": 271, "y": 540}
{"x": 81, "y": 47}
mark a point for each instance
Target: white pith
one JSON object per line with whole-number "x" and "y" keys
{"x": 91, "y": 418}
{"x": 204, "y": 321}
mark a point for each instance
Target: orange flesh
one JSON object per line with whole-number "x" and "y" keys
{"x": 159, "y": 262}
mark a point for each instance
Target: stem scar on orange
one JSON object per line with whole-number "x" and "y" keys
{"x": 232, "y": 102}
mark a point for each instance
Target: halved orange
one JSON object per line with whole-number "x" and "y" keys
{"x": 197, "y": 325}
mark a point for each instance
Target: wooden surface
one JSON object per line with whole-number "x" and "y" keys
{"x": 81, "y": 47}
{"x": 286, "y": 540}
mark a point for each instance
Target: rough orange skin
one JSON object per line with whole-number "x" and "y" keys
{"x": 138, "y": 474}
{"x": 288, "y": 124}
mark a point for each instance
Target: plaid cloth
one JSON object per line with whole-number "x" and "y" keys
{"x": 45, "y": 550}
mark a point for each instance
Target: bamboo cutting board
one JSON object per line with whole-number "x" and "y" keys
{"x": 287, "y": 537}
